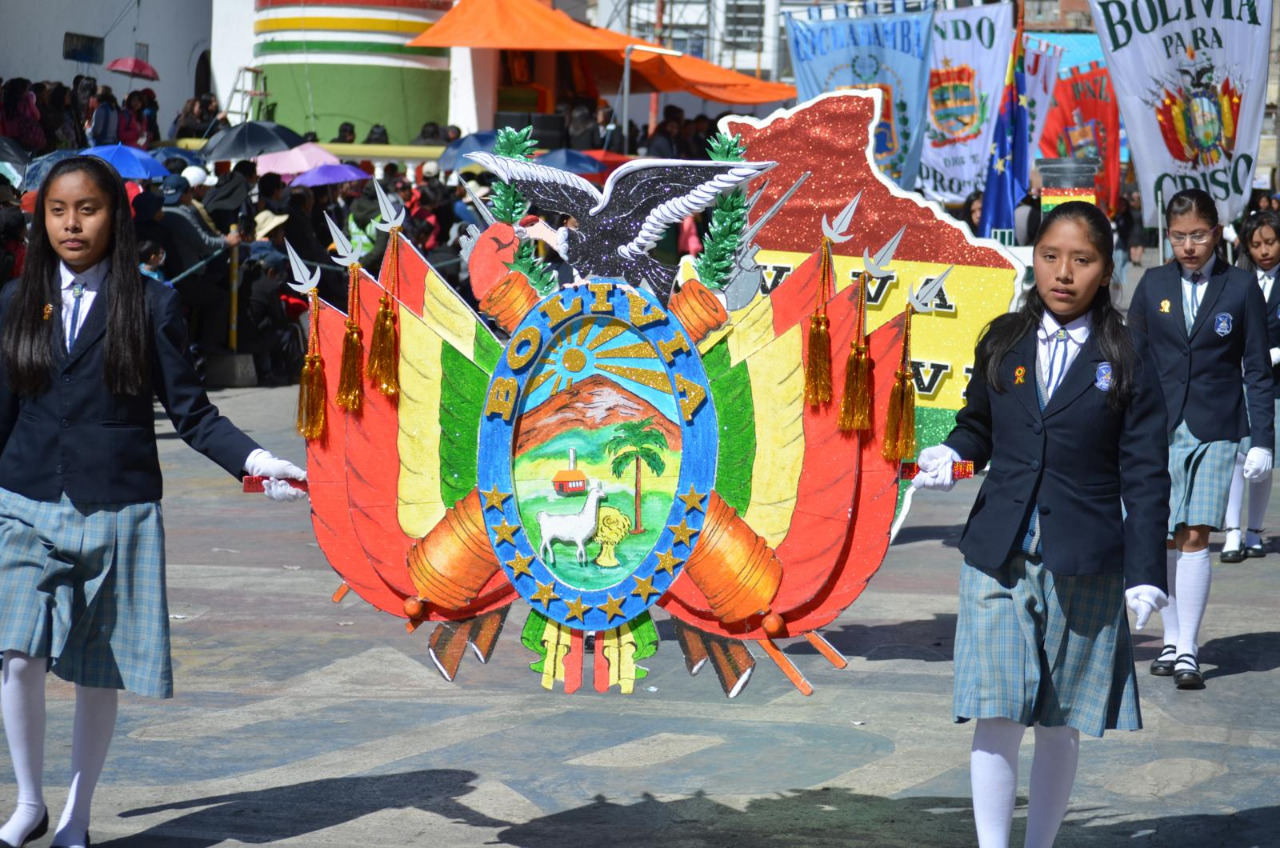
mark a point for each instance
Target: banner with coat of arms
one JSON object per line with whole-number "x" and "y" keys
{"x": 1085, "y": 123}
{"x": 888, "y": 53}
{"x": 1192, "y": 91}
{"x": 1041, "y": 64}
{"x": 970, "y": 50}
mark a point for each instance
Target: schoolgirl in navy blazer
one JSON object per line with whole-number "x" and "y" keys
{"x": 1200, "y": 371}
{"x": 1077, "y": 460}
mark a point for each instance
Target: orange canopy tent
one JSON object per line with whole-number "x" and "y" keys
{"x": 529, "y": 25}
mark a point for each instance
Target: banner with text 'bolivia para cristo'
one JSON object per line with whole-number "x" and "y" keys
{"x": 1191, "y": 79}
{"x": 885, "y": 52}
{"x": 971, "y": 50}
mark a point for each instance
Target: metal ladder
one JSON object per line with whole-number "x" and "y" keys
{"x": 245, "y": 101}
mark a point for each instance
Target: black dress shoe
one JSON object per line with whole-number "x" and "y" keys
{"x": 1232, "y": 556}
{"x": 36, "y": 832}
{"x": 1255, "y": 552}
{"x": 1162, "y": 666}
{"x": 1188, "y": 678}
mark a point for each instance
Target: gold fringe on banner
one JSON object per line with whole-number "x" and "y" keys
{"x": 900, "y": 427}
{"x": 855, "y": 405}
{"x": 817, "y": 372}
{"x": 311, "y": 387}
{"x": 384, "y": 350}
{"x": 350, "y": 392}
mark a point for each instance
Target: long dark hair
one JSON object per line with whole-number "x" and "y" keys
{"x": 29, "y": 341}
{"x": 1255, "y": 222}
{"x": 1003, "y": 334}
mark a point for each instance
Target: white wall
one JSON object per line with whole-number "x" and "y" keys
{"x": 175, "y": 31}
{"x": 232, "y": 44}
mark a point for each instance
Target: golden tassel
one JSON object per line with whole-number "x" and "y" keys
{"x": 817, "y": 373}
{"x": 311, "y": 387}
{"x": 900, "y": 427}
{"x": 855, "y": 405}
{"x": 350, "y": 392}
{"x": 384, "y": 352}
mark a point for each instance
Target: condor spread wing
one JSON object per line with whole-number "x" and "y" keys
{"x": 646, "y": 197}
{"x": 549, "y": 189}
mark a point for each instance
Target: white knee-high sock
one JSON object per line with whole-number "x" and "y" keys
{"x": 1235, "y": 501}
{"x": 90, "y": 738}
{"x": 1259, "y": 499}
{"x": 1169, "y": 615}
{"x": 22, "y": 702}
{"x": 1053, "y": 773}
{"x": 1194, "y": 574}
{"x": 993, "y": 772}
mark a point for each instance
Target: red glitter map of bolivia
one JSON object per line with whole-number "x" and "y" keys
{"x": 829, "y": 136}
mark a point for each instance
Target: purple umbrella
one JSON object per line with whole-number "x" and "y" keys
{"x": 329, "y": 174}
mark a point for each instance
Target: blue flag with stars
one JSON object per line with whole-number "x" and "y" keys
{"x": 1009, "y": 173}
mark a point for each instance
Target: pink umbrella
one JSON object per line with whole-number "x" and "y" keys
{"x": 129, "y": 66}
{"x": 304, "y": 157}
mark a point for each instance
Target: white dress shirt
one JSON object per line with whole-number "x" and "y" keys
{"x": 1057, "y": 346}
{"x": 91, "y": 279}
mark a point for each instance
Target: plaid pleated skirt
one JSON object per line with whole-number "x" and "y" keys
{"x": 1035, "y": 647}
{"x": 85, "y": 587}
{"x": 1200, "y": 477}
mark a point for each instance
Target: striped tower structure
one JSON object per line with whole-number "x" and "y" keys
{"x": 329, "y": 61}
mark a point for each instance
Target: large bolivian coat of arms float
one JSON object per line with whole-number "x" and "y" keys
{"x": 724, "y": 442}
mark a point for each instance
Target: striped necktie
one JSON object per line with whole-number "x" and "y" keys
{"x": 1057, "y": 363}
{"x": 77, "y": 292}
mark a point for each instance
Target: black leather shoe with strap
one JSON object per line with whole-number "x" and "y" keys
{"x": 1162, "y": 666}
{"x": 1186, "y": 673}
{"x": 36, "y": 832}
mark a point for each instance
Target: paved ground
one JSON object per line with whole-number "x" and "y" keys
{"x": 303, "y": 723}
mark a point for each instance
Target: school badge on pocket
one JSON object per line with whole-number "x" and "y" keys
{"x": 1222, "y": 323}
{"x": 1164, "y": 307}
{"x": 1102, "y": 377}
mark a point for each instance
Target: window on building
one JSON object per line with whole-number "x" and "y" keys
{"x": 142, "y": 51}
{"x": 77, "y": 47}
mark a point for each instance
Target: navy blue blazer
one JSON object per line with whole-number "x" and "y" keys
{"x": 1200, "y": 373}
{"x": 97, "y": 447}
{"x": 1079, "y": 460}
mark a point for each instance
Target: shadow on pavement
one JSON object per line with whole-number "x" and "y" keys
{"x": 1242, "y": 653}
{"x": 947, "y": 534}
{"x": 838, "y": 818}
{"x": 286, "y": 812}
{"x": 931, "y": 640}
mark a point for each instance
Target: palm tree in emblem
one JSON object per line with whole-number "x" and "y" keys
{"x": 638, "y": 442}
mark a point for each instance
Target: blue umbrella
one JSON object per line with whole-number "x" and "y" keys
{"x": 329, "y": 174}
{"x": 571, "y": 161}
{"x": 191, "y": 157}
{"x": 481, "y": 142}
{"x": 38, "y": 168}
{"x": 130, "y": 162}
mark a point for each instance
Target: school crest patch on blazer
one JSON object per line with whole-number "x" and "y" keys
{"x": 1102, "y": 377}
{"x": 1222, "y": 323}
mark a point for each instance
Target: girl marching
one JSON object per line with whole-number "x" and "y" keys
{"x": 1067, "y": 529}
{"x": 1205, "y": 322}
{"x": 1260, "y": 237}
{"x": 86, "y": 343}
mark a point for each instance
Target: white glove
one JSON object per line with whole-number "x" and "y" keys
{"x": 281, "y": 490}
{"x": 1257, "y": 464}
{"x": 261, "y": 463}
{"x": 935, "y": 469}
{"x": 1275, "y": 356}
{"x": 1144, "y": 600}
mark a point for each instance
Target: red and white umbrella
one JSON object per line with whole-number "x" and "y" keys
{"x": 133, "y": 67}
